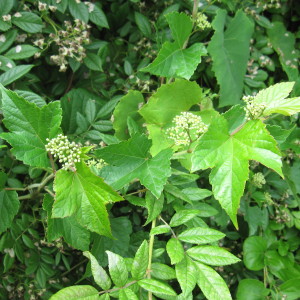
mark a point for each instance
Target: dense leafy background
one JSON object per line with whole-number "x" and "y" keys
{"x": 250, "y": 45}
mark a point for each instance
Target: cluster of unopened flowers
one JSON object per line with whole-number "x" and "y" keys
{"x": 188, "y": 128}
{"x": 68, "y": 153}
{"x": 253, "y": 109}
{"x": 201, "y": 21}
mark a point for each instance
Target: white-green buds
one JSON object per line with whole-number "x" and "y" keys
{"x": 253, "y": 109}
{"x": 188, "y": 128}
{"x": 201, "y": 21}
{"x": 68, "y": 154}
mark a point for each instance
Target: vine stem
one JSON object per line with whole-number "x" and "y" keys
{"x": 151, "y": 243}
{"x": 195, "y": 9}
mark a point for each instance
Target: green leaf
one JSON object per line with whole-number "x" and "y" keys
{"x": 79, "y": 11}
{"x": 84, "y": 194}
{"x": 84, "y": 292}
{"x": 211, "y": 283}
{"x": 283, "y": 42}
{"x": 275, "y": 98}
{"x": 143, "y": 24}
{"x": 30, "y": 126}
{"x": 21, "y": 52}
{"x": 230, "y": 53}
{"x": 291, "y": 288}
{"x": 73, "y": 233}
{"x": 199, "y": 235}
{"x": 127, "y": 107}
{"x": 212, "y": 255}
{"x": 154, "y": 206}
{"x": 254, "y": 249}
{"x": 160, "y": 230}
{"x": 127, "y": 294}
{"x": 140, "y": 262}
{"x": 162, "y": 271}
{"x": 181, "y": 27}
{"x": 28, "y": 22}
{"x": 130, "y": 160}
{"x": 175, "y": 251}
{"x": 169, "y": 100}
{"x": 117, "y": 269}
{"x": 228, "y": 155}
{"x": 156, "y": 286}
{"x": 9, "y": 206}
{"x": 183, "y": 216}
{"x": 31, "y": 97}
{"x": 173, "y": 59}
{"x": 186, "y": 275}
{"x": 174, "y": 62}
{"x": 72, "y": 103}
{"x": 6, "y": 6}
{"x": 9, "y": 38}
{"x": 251, "y": 289}
{"x": 98, "y": 17}
{"x": 99, "y": 274}
{"x": 14, "y": 73}
{"x": 93, "y": 62}
{"x": 280, "y": 134}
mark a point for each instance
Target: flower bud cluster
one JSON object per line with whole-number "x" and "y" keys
{"x": 96, "y": 163}
{"x": 201, "y": 21}
{"x": 70, "y": 42}
{"x": 258, "y": 179}
{"x": 67, "y": 153}
{"x": 253, "y": 109}
{"x": 188, "y": 128}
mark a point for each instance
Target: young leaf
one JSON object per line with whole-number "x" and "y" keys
{"x": 228, "y": 154}
{"x": 169, "y": 100}
{"x": 254, "y": 249}
{"x": 130, "y": 160}
{"x": 211, "y": 283}
{"x": 175, "y": 251}
{"x": 186, "y": 275}
{"x": 99, "y": 274}
{"x": 30, "y": 126}
{"x": 84, "y": 194}
{"x": 84, "y": 292}
{"x": 154, "y": 206}
{"x": 117, "y": 269}
{"x": 275, "y": 98}
{"x": 212, "y": 255}
{"x": 156, "y": 286}
{"x": 199, "y": 235}
{"x": 230, "y": 52}
{"x": 173, "y": 59}
{"x": 9, "y": 204}
{"x": 163, "y": 272}
{"x": 127, "y": 294}
{"x": 183, "y": 216}
{"x": 160, "y": 229}
{"x": 127, "y": 107}
{"x": 73, "y": 233}
{"x": 140, "y": 262}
